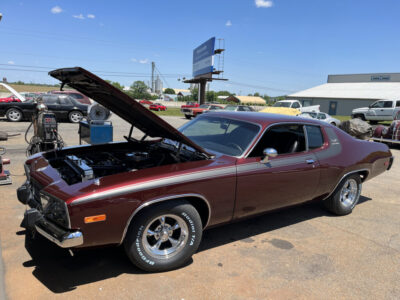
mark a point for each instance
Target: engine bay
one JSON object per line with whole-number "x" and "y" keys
{"x": 81, "y": 164}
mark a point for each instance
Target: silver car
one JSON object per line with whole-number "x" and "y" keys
{"x": 320, "y": 116}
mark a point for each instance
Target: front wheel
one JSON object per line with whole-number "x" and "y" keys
{"x": 188, "y": 117}
{"x": 14, "y": 115}
{"x": 346, "y": 196}
{"x": 164, "y": 237}
{"x": 75, "y": 116}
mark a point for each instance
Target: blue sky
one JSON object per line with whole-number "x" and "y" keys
{"x": 273, "y": 47}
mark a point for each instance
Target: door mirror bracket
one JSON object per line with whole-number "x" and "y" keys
{"x": 267, "y": 153}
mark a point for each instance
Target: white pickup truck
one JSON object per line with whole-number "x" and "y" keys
{"x": 381, "y": 110}
{"x": 297, "y": 105}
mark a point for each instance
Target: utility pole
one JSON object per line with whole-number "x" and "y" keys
{"x": 153, "y": 67}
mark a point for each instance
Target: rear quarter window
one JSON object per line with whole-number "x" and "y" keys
{"x": 314, "y": 136}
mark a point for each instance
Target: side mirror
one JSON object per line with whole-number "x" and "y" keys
{"x": 268, "y": 152}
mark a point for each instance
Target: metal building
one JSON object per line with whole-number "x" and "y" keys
{"x": 342, "y": 93}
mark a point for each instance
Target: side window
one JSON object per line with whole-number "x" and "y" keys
{"x": 241, "y": 108}
{"x": 50, "y": 100}
{"x": 295, "y": 105}
{"x": 76, "y": 96}
{"x": 397, "y": 103}
{"x": 321, "y": 116}
{"x": 285, "y": 139}
{"x": 64, "y": 101}
{"x": 314, "y": 137}
{"x": 388, "y": 104}
{"x": 377, "y": 104}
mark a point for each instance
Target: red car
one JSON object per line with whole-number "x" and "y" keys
{"x": 10, "y": 98}
{"x": 189, "y": 105}
{"x": 75, "y": 94}
{"x": 388, "y": 134}
{"x": 145, "y": 102}
{"x": 157, "y": 107}
{"x": 195, "y": 111}
{"x": 156, "y": 196}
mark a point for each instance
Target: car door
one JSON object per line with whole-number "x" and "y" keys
{"x": 289, "y": 178}
{"x": 51, "y": 101}
{"x": 376, "y": 110}
{"x": 386, "y": 112}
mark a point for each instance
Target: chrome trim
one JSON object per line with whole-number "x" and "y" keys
{"x": 384, "y": 140}
{"x": 171, "y": 197}
{"x": 73, "y": 239}
{"x": 310, "y": 161}
{"x": 344, "y": 176}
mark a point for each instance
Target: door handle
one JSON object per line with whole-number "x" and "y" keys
{"x": 310, "y": 161}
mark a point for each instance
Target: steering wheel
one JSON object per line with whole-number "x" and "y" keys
{"x": 234, "y": 145}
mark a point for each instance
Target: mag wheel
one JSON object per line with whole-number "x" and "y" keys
{"x": 164, "y": 237}
{"x": 14, "y": 115}
{"x": 75, "y": 116}
{"x": 346, "y": 196}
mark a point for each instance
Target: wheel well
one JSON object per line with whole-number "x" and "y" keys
{"x": 363, "y": 175}
{"x": 202, "y": 208}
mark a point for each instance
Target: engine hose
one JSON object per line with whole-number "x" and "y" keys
{"x": 26, "y": 132}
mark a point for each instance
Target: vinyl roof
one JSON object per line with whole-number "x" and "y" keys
{"x": 353, "y": 90}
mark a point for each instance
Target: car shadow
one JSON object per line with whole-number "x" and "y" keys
{"x": 61, "y": 272}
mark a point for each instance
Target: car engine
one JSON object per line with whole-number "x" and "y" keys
{"x": 88, "y": 163}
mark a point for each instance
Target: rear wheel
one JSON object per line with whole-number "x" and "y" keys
{"x": 14, "y": 115}
{"x": 164, "y": 237}
{"x": 188, "y": 117}
{"x": 346, "y": 196}
{"x": 75, "y": 116}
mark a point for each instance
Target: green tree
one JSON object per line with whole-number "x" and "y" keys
{"x": 256, "y": 94}
{"x": 139, "y": 90}
{"x": 224, "y": 93}
{"x": 116, "y": 84}
{"x": 195, "y": 93}
{"x": 169, "y": 91}
{"x": 211, "y": 96}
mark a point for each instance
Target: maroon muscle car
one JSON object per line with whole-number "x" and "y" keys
{"x": 157, "y": 196}
{"x": 389, "y": 134}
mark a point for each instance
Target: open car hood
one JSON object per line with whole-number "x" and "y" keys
{"x": 121, "y": 104}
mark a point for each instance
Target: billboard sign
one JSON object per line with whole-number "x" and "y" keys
{"x": 203, "y": 58}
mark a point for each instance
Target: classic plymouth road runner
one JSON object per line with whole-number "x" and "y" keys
{"x": 156, "y": 196}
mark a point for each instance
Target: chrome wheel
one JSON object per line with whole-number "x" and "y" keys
{"x": 349, "y": 193}
{"x": 165, "y": 236}
{"x": 75, "y": 116}
{"x": 14, "y": 115}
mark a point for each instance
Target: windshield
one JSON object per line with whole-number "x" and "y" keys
{"x": 230, "y": 107}
{"x": 309, "y": 114}
{"x": 282, "y": 104}
{"x": 230, "y": 137}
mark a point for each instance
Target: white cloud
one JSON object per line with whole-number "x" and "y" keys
{"x": 133, "y": 59}
{"x": 80, "y": 17}
{"x": 228, "y": 23}
{"x": 11, "y": 62}
{"x": 91, "y": 16}
{"x": 263, "y": 3}
{"x": 56, "y": 10}
{"x": 144, "y": 61}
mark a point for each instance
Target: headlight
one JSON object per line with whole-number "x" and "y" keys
{"x": 55, "y": 210}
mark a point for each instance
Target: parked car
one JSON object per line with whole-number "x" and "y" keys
{"x": 388, "y": 134}
{"x": 195, "y": 111}
{"x": 157, "y": 196}
{"x": 157, "y": 107}
{"x": 381, "y": 110}
{"x": 74, "y": 94}
{"x": 321, "y": 116}
{"x": 64, "y": 107}
{"x": 230, "y": 107}
{"x": 145, "y": 102}
{"x": 31, "y": 95}
{"x": 8, "y": 99}
{"x": 189, "y": 105}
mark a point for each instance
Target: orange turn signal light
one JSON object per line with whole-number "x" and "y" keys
{"x": 93, "y": 219}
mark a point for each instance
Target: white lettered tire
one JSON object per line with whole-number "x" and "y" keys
{"x": 164, "y": 236}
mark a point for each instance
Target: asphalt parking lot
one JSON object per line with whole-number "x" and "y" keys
{"x": 301, "y": 252}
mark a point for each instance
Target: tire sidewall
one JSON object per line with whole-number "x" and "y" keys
{"x": 14, "y": 109}
{"x": 72, "y": 112}
{"x": 134, "y": 245}
{"x": 342, "y": 209}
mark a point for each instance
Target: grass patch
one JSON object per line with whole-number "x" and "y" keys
{"x": 345, "y": 118}
{"x": 29, "y": 88}
{"x": 171, "y": 111}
